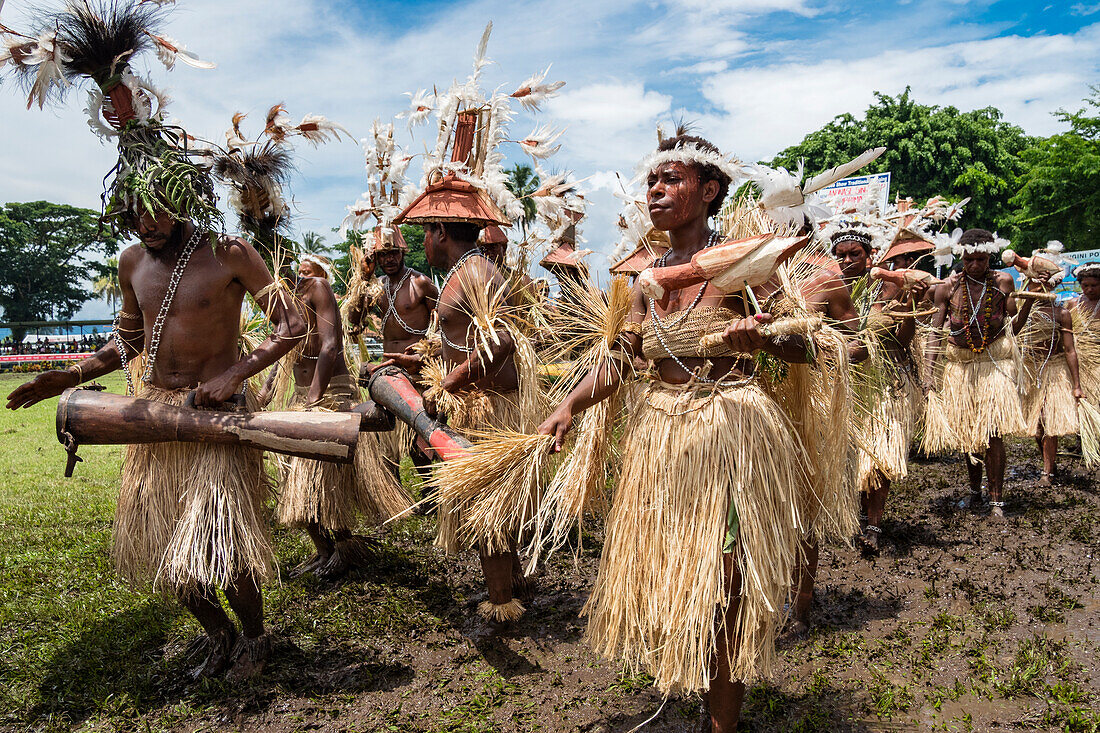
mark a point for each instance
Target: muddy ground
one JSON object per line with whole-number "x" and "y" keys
{"x": 962, "y": 622}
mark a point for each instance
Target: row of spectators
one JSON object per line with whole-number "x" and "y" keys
{"x": 54, "y": 345}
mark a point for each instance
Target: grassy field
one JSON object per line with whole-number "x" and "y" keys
{"x": 960, "y": 624}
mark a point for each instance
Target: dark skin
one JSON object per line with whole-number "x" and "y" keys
{"x": 322, "y": 359}
{"x": 414, "y": 303}
{"x": 678, "y": 204}
{"x": 949, "y": 299}
{"x": 1063, "y": 343}
{"x": 359, "y": 319}
{"x": 495, "y": 372}
{"x": 855, "y": 262}
{"x": 198, "y": 350}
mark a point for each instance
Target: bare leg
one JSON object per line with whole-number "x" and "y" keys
{"x": 322, "y": 540}
{"x": 254, "y": 647}
{"x": 725, "y": 696}
{"x": 995, "y": 469}
{"x": 220, "y": 637}
{"x": 247, "y": 602}
{"x": 498, "y": 575}
{"x": 974, "y": 471}
{"x": 876, "y": 502}
{"x": 807, "y": 573}
{"x": 1049, "y": 448}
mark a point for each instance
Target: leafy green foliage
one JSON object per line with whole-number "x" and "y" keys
{"x": 49, "y": 251}
{"x": 523, "y": 182}
{"x": 414, "y": 258}
{"x": 1058, "y": 196}
{"x": 930, "y": 150}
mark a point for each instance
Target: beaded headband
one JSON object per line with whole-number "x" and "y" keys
{"x": 852, "y": 236}
{"x": 690, "y": 153}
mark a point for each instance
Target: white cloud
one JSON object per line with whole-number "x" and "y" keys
{"x": 629, "y": 64}
{"x": 762, "y": 110}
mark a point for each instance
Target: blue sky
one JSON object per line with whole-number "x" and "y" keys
{"x": 754, "y": 75}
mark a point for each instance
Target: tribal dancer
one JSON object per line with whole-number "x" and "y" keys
{"x": 407, "y": 305}
{"x": 488, "y": 376}
{"x": 974, "y": 400}
{"x": 190, "y": 516}
{"x": 886, "y": 377}
{"x": 1085, "y": 310}
{"x": 702, "y": 536}
{"x": 403, "y": 298}
{"x": 329, "y": 499}
{"x": 1053, "y": 381}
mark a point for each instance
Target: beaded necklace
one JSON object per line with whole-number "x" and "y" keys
{"x": 391, "y": 310}
{"x": 985, "y": 299}
{"x": 446, "y": 281}
{"x": 660, "y": 327}
{"x": 162, "y": 315}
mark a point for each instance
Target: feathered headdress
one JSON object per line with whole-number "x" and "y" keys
{"x": 387, "y": 190}
{"x": 258, "y": 171}
{"x": 1087, "y": 269}
{"x": 783, "y": 194}
{"x": 464, "y": 178}
{"x": 160, "y": 167}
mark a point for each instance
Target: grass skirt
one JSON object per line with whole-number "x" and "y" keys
{"x": 687, "y": 454}
{"x": 335, "y": 495}
{"x": 977, "y": 397}
{"x": 888, "y": 432}
{"x": 475, "y": 411}
{"x": 191, "y": 514}
{"x": 394, "y": 444}
{"x": 1050, "y": 404}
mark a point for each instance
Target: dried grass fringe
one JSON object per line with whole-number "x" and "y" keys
{"x": 977, "y": 397}
{"x": 1050, "y": 405}
{"x": 336, "y": 495}
{"x": 818, "y": 400}
{"x": 1086, "y": 338}
{"x": 1089, "y": 418}
{"x": 888, "y": 434}
{"x": 191, "y": 515}
{"x": 501, "y": 612}
{"x": 660, "y": 585}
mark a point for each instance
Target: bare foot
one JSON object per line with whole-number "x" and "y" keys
{"x": 1045, "y": 478}
{"x": 998, "y": 510}
{"x": 354, "y": 551}
{"x": 250, "y": 658}
{"x": 217, "y": 649}
{"x": 310, "y": 566}
{"x": 870, "y": 539}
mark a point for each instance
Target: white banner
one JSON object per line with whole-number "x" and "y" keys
{"x": 848, "y": 193}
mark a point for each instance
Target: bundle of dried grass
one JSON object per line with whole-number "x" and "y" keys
{"x": 1089, "y": 418}
{"x": 580, "y": 484}
{"x": 690, "y": 453}
{"x": 1049, "y": 403}
{"x": 479, "y": 413}
{"x": 818, "y": 399}
{"x": 191, "y": 514}
{"x": 498, "y": 486}
{"x": 586, "y": 333}
{"x": 1086, "y": 338}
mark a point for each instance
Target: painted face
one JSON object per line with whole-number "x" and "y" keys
{"x": 310, "y": 269}
{"x": 854, "y": 259}
{"x": 676, "y": 195}
{"x": 1090, "y": 287}
{"x": 390, "y": 260}
{"x": 976, "y": 264}
{"x": 155, "y": 232}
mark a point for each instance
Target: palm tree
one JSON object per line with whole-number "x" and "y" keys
{"x": 523, "y": 182}
{"x": 313, "y": 243}
{"x": 107, "y": 286}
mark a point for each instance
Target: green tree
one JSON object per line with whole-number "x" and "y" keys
{"x": 523, "y": 182}
{"x": 49, "y": 252}
{"x": 415, "y": 257}
{"x": 1059, "y": 195}
{"x": 930, "y": 151}
{"x": 313, "y": 243}
{"x": 106, "y": 286}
